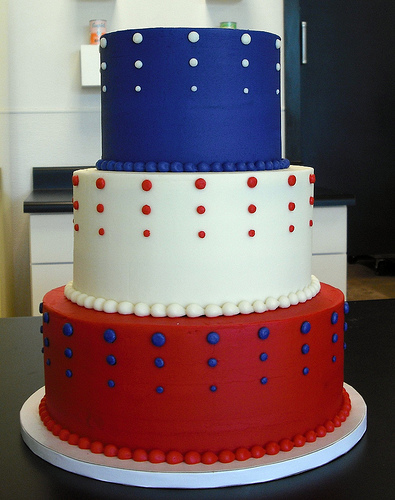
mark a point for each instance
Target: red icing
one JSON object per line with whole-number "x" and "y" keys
{"x": 100, "y": 208}
{"x": 311, "y": 201}
{"x": 76, "y": 180}
{"x": 146, "y": 209}
{"x": 201, "y": 234}
{"x": 101, "y": 231}
{"x": 251, "y": 233}
{"x": 292, "y": 180}
{"x": 200, "y": 183}
{"x": 187, "y": 417}
{"x": 252, "y": 182}
{"x": 76, "y": 227}
{"x": 146, "y": 185}
{"x": 146, "y": 233}
{"x": 291, "y": 228}
{"x": 252, "y": 209}
{"x": 76, "y": 205}
{"x": 200, "y": 209}
{"x": 100, "y": 183}
{"x": 291, "y": 206}
{"x": 312, "y": 178}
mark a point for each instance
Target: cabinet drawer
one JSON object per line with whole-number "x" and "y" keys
{"x": 51, "y": 238}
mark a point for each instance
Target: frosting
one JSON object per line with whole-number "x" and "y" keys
{"x": 192, "y": 310}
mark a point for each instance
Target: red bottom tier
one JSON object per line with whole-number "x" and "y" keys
{"x": 194, "y": 389}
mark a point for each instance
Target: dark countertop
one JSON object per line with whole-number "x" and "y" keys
{"x": 366, "y": 471}
{"x": 52, "y": 192}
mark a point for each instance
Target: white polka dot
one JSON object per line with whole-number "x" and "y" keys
{"x": 277, "y": 91}
{"x": 193, "y": 62}
{"x": 245, "y": 63}
{"x": 138, "y": 64}
{"x": 103, "y": 43}
{"x": 104, "y": 88}
{"x": 194, "y": 88}
{"x": 103, "y": 66}
{"x": 137, "y": 38}
{"x": 193, "y": 36}
{"x": 278, "y": 43}
{"x": 137, "y": 88}
{"x": 278, "y": 67}
{"x": 245, "y": 39}
{"x": 246, "y": 90}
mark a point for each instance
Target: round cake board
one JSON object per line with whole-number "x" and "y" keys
{"x": 145, "y": 474}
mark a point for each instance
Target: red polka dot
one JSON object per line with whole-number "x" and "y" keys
{"x": 146, "y": 209}
{"x": 76, "y": 205}
{"x": 252, "y": 182}
{"x": 310, "y": 223}
{"x": 252, "y": 209}
{"x": 76, "y": 227}
{"x": 100, "y": 208}
{"x": 147, "y": 233}
{"x": 292, "y": 180}
{"x": 312, "y": 178}
{"x": 311, "y": 200}
{"x": 201, "y": 234}
{"x": 200, "y": 209}
{"x": 146, "y": 185}
{"x": 291, "y": 206}
{"x": 101, "y": 231}
{"x": 100, "y": 183}
{"x": 291, "y": 228}
{"x": 251, "y": 233}
{"x": 200, "y": 183}
{"x": 76, "y": 180}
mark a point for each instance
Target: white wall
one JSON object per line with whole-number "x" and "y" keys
{"x": 48, "y": 118}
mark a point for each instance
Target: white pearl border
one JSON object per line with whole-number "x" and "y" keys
{"x": 192, "y": 310}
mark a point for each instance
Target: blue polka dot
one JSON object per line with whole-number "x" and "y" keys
{"x": 69, "y": 373}
{"x": 335, "y": 337}
{"x": 111, "y": 383}
{"x": 334, "y": 359}
{"x": 346, "y": 308}
{"x": 46, "y": 342}
{"x": 109, "y": 336}
{"x": 41, "y": 329}
{"x": 111, "y": 360}
{"x": 159, "y": 389}
{"x": 67, "y": 329}
{"x": 334, "y": 318}
{"x": 306, "y": 327}
{"x": 305, "y": 348}
{"x": 264, "y": 380}
{"x": 213, "y": 338}
{"x": 40, "y": 308}
{"x": 212, "y": 362}
{"x": 46, "y": 317}
{"x": 305, "y": 371}
{"x": 345, "y": 328}
{"x": 344, "y": 346}
{"x": 68, "y": 353}
{"x": 48, "y": 362}
{"x": 263, "y": 332}
{"x": 158, "y": 339}
{"x": 213, "y": 388}
{"x": 263, "y": 356}
{"x": 159, "y": 363}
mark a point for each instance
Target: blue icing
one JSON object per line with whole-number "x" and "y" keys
{"x": 68, "y": 352}
{"x": 346, "y": 308}
{"x": 305, "y": 371}
{"x": 305, "y": 348}
{"x": 212, "y": 362}
{"x": 111, "y": 360}
{"x": 158, "y": 339}
{"x": 264, "y": 380}
{"x": 159, "y": 363}
{"x": 263, "y": 333}
{"x": 334, "y": 318}
{"x": 213, "y": 338}
{"x": 306, "y": 327}
{"x": 110, "y": 336}
{"x": 335, "y": 337}
{"x": 263, "y": 356}
{"x": 111, "y": 383}
{"x": 68, "y": 329}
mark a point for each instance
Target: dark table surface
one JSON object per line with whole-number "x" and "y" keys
{"x": 364, "y": 472}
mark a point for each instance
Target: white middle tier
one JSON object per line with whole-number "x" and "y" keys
{"x": 192, "y": 243}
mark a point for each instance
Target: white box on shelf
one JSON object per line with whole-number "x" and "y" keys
{"x": 90, "y": 66}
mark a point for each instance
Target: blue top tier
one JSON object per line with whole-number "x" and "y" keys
{"x": 190, "y": 99}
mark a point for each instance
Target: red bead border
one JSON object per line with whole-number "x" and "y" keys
{"x": 193, "y": 457}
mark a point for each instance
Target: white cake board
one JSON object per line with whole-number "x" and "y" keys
{"x": 71, "y": 458}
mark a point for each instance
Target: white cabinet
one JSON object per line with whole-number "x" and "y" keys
{"x": 51, "y": 254}
{"x": 329, "y": 261}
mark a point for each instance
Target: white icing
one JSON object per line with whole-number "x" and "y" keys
{"x": 192, "y": 310}
{"x": 193, "y": 36}
{"x": 278, "y": 43}
{"x": 137, "y": 38}
{"x": 277, "y": 91}
{"x": 245, "y": 39}
{"x": 246, "y": 90}
{"x": 103, "y": 43}
{"x": 137, "y": 88}
{"x": 194, "y": 88}
{"x": 193, "y": 62}
{"x": 104, "y": 88}
{"x": 245, "y": 63}
{"x": 278, "y": 67}
{"x": 103, "y": 66}
{"x": 138, "y": 64}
